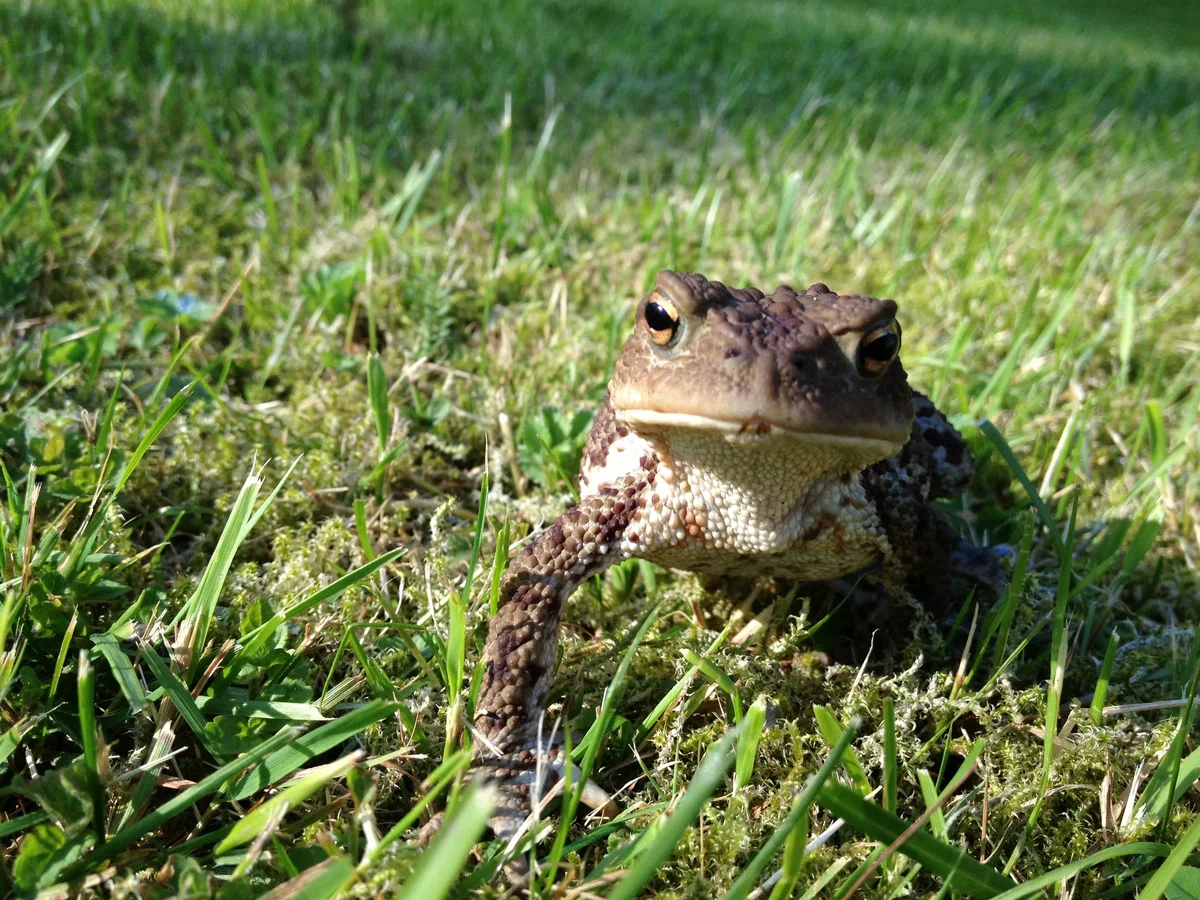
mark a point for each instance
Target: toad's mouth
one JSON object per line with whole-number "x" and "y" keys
{"x": 756, "y": 428}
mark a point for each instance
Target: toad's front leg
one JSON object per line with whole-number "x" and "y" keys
{"x": 523, "y": 641}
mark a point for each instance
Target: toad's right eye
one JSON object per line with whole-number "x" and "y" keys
{"x": 662, "y": 319}
{"x": 878, "y": 349}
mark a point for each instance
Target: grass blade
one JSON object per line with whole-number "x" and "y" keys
{"x": 160, "y": 422}
{"x": 1185, "y": 726}
{"x": 1012, "y": 594}
{"x": 831, "y": 731}
{"x": 1155, "y": 799}
{"x": 332, "y": 734}
{"x": 933, "y": 811}
{"x": 747, "y": 747}
{"x": 441, "y": 778}
{"x": 253, "y": 640}
{"x": 377, "y": 393}
{"x": 181, "y": 697}
{"x": 1000, "y": 382}
{"x": 1110, "y": 655}
{"x": 1161, "y": 879}
{"x": 381, "y": 685}
{"x": 1035, "y": 886}
{"x": 1018, "y": 471}
{"x": 794, "y": 850}
{"x": 499, "y": 564}
{"x": 719, "y": 677}
{"x": 266, "y": 504}
{"x": 20, "y": 823}
{"x": 745, "y": 882}
{"x": 11, "y": 739}
{"x": 254, "y": 822}
{"x": 783, "y": 221}
{"x": 125, "y": 837}
{"x": 443, "y": 862}
{"x": 891, "y": 772}
{"x": 156, "y": 757}
{"x": 1164, "y": 787}
{"x": 594, "y": 739}
{"x": 708, "y": 778}
{"x": 477, "y": 540}
{"x": 963, "y": 872}
{"x": 122, "y": 670}
{"x": 261, "y": 709}
{"x": 669, "y": 698}
{"x": 937, "y": 819}
{"x": 360, "y": 525}
{"x": 320, "y": 882}
{"x": 1143, "y": 539}
{"x": 44, "y": 165}
{"x": 88, "y": 734}
{"x": 63, "y": 650}
{"x": 1058, "y": 661}
{"x": 197, "y": 613}
{"x": 405, "y": 203}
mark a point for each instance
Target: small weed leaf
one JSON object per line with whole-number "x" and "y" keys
{"x": 552, "y": 445}
{"x": 64, "y": 793}
{"x": 298, "y": 790}
{"x": 328, "y": 736}
{"x": 1185, "y": 884}
{"x": 331, "y": 289}
{"x": 44, "y": 852}
{"x": 18, "y": 269}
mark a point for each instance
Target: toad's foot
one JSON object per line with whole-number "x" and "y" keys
{"x": 982, "y": 565}
{"x": 527, "y": 782}
{"x": 524, "y": 780}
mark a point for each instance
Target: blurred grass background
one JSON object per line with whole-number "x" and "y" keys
{"x": 395, "y": 244}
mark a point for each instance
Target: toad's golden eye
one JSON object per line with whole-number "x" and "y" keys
{"x": 662, "y": 319}
{"x": 877, "y": 350}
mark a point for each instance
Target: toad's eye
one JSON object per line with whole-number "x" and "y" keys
{"x": 662, "y": 319}
{"x": 877, "y": 350}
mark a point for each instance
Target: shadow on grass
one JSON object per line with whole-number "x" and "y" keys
{"x": 403, "y": 78}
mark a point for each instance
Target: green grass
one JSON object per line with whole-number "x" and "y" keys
{"x": 303, "y": 315}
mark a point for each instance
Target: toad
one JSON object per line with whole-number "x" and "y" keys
{"x": 742, "y": 433}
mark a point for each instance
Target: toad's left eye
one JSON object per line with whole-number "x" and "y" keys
{"x": 877, "y": 350}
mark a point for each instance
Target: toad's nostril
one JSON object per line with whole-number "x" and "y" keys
{"x": 733, "y": 353}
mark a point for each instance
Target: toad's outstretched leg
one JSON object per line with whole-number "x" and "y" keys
{"x": 523, "y": 642}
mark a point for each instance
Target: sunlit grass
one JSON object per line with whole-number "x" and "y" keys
{"x": 304, "y": 312}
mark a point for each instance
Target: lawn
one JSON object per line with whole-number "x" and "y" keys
{"x": 304, "y": 312}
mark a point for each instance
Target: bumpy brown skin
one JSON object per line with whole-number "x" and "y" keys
{"x": 523, "y": 641}
{"x": 933, "y": 464}
{"x": 522, "y": 635}
{"x": 751, "y": 443}
{"x": 748, "y": 356}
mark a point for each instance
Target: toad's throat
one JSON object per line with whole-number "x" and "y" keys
{"x": 756, "y": 499}
{"x": 754, "y": 428}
